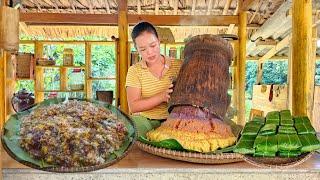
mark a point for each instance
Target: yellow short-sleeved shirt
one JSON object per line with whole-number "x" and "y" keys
{"x": 139, "y": 76}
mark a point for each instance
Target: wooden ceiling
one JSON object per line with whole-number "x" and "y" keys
{"x": 269, "y": 21}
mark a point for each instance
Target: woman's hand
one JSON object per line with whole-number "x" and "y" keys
{"x": 165, "y": 95}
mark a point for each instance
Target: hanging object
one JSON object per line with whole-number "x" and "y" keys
{"x": 68, "y": 57}
{"x": 25, "y": 66}
{"x": 9, "y": 28}
{"x": 173, "y": 52}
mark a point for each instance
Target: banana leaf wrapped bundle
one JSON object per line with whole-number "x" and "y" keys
{"x": 268, "y": 129}
{"x": 286, "y": 130}
{"x": 266, "y": 143}
{"x": 264, "y": 154}
{"x": 273, "y": 117}
{"x": 288, "y": 142}
{"x": 251, "y": 128}
{"x": 289, "y": 154}
{"x": 286, "y": 118}
{"x": 258, "y": 119}
{"x": 309, "y": 143}
{"x": 305, "y": 129}
{"x": 302, "y": 120}
{"x": 245, "y": 145}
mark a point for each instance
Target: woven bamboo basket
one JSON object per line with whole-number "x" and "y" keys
{"x": 277, "y": 162}
{"x": 9, "y": 28}
{"x": 192, "y": 157}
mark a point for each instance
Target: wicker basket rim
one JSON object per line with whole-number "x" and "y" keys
{"x": 191, "y": 156}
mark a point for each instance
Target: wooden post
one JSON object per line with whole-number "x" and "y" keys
{"x": 2, "y": 87}
{"x": 289, "y": 77}
{"x": 88, "y": 85}
{"x": 235, "y": 76}
{"x": 123, "y": 53}
{"x": 302, "y": 58}
{"x": 10, "y": 82}
{"x": 39, "y": 80}
{"x": 311, "y": 85}
{"x": 117, "y": 73}
{"x": 242, "y": 32}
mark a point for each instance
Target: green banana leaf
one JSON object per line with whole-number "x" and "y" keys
{"x": 11, "y": 134}
{"x": 309, "y": 142}
{"x": 144, "y": 125}
{"x": 286, "y": 130}
{"x": 288, "y": 142}
{"x": 289, "y": 154}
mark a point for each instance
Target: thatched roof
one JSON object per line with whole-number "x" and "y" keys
{"x": 260, "y": 16}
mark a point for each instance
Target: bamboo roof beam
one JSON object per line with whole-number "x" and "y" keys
{"x": 193, "y": 8}
{"x": 72, "y": 6}
{"x": 247, "y": 4}
{"x": 156, "y": 9}
{"x": 256, "y": 11}
{"x": 226, "y": 7}
{"x": 209, "y": 7}
{"x": 139, "y": 6}
{"x": 175, "y": 7}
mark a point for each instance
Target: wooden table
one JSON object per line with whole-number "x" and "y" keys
{"x": 141, "y": 165}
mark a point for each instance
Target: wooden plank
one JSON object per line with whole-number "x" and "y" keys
{"x": 63, "y": 79}
{"x": 111, "y": 19}
{"x": 2, "y": 87}
{"x": 242, "y": 33}
{"x": 226, "y": 7}
{"x": 88, "y": 85}
{"x": 193, "y": 8}
{"x": 246, "y": 4}
{"x": 301, "y": 55}
{"x": 235, "y": 76}
{"x": 39, "y": 79}
{"x": 123, "y": 53}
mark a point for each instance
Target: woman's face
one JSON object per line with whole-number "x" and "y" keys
{"x": 148, "y": 46}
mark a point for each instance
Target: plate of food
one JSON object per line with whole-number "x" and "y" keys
{"x": 69, "y": 136}
{"x": 278, "y": 140}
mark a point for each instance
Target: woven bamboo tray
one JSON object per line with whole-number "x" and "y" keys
{"x": 191, "y": 156}
{"x": 277, "y": 162}
{"x": 74, "y": 169}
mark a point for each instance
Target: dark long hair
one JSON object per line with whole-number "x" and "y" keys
{"x": 143, "y": 27}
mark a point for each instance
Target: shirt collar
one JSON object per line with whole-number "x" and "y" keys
{"x": 167, "y": 62}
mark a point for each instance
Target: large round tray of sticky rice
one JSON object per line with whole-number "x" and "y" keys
{"x": 69, "y": 136}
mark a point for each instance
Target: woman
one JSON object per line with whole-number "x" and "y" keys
{"x": 149, "y": 82}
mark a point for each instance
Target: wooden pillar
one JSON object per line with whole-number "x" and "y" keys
{"x": 241, "y": 68}
{"x": 39, "y": 80}
{"x": 302, "y": 58}
{"x": 311, "y": 112}
{"x": 289, "y": 77}
{"x": 88, "y": 85}
{"x": 10, "y": 82}
{"x": 235, "y": 76}
{"x": 2, "y": 87}
{"x": 123, "y": 53}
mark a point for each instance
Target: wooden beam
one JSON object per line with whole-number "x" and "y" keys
{"x": 242, "y": 33}
{"x": 301, "y": 56}
{"x": 111, "y": 19}
{"x": 311, "y": 85}
{"x": 182, "y": 20}
{"x": 88, "y": 85}
{"x": 39, "y": 80}
{"x": 246, "y": 4}
{"x": 267, "y": 42}
{"x": 123, "y": 53}
{"x": 3, "y": 56}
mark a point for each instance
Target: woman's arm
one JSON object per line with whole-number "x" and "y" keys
{"x": 138, "y": 104}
